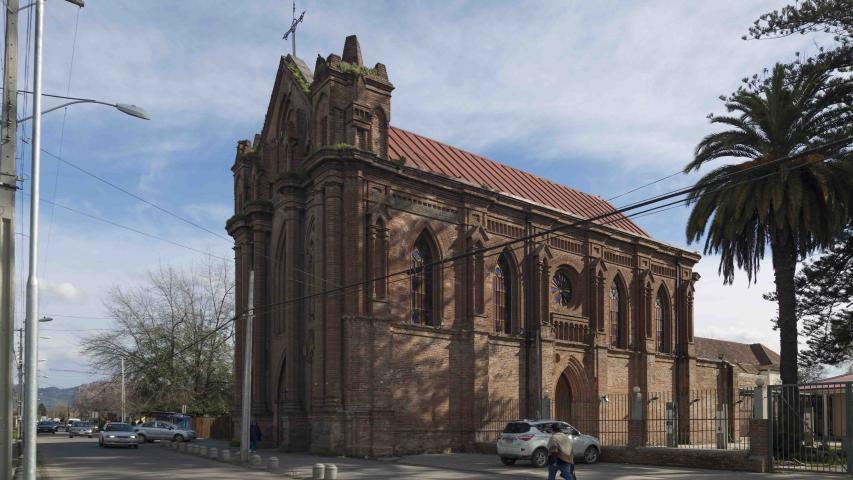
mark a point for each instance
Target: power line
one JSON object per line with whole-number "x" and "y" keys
{"x": 125, "y": 227}
{"x": 61, "y": 144}
{"x": 644, "y": 186}
{"x": 598, "y": 219}
{"x": 618, "y": 213}
{"x": 131, "y": 194}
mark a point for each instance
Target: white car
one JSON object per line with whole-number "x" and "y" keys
{"x": 80, "y": 429}
{"x": 118, "y": 434}
{"x": 528, "y": 440}
{"x": 160, "y": 430}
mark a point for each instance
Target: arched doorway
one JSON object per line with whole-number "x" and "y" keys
{"x": 573, "y": 398}
{"x": 563, "y": 400}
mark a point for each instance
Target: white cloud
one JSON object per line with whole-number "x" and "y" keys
{"x": 61, "y": 293}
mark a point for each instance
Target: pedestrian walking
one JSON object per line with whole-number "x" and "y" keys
{"x": 254, "y": 436}
{"x": 560, "y": 455}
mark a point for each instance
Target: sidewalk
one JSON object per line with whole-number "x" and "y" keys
{"x": 469, "y": 466}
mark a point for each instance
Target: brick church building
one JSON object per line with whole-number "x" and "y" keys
{"x": 387, "y": 322}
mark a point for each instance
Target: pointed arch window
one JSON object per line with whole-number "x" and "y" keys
{"x": 662, "y": 323}
{"x": 617, "y": 327}
{"x": 422, "y": 273}
{"x": 503, "y": 296}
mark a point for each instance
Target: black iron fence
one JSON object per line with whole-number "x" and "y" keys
{"x": 704, "y": 419}
{"x": 810, "y": 427}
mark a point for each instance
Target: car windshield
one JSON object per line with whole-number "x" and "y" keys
{"x": 82, "y": 424}
{"x": 45, "y": 423}
{"x": 118, "y": 427}
{"x": 517, "y": 427}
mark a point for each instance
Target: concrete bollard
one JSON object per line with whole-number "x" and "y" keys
{"x": 225, "y": 455}
{"x": 292, "y": 474}
{"x": 202, "y": 451}
{"x": 182, "y": 447}
{"x": 255, "y": 460}
{"x": 213, "y": 453}
{"x": 331, "y": 472}
{"x": 272, "y": 464}
{"x": 319, "y": 471}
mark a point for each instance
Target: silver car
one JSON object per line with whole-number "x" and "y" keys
{"x": 80, "y": 429}
{"x": 528, "y": 440}
{"x": 118, "y": 434}
{"x": 160, "y": 430}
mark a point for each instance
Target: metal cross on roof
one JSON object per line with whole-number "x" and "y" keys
{"x": 292, "y": 32}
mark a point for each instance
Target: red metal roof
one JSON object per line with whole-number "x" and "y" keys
{"x": 433, "y": 156}
{"x": 735, "y": 352}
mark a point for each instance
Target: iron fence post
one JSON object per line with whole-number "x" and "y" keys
{"x": 771, "y": 416}
{"x": 848, "y": 427}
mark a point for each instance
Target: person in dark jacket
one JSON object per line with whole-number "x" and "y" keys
{"x": 254, "y": 437}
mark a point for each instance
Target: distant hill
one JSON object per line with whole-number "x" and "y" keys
{"x": 50, "y": 396}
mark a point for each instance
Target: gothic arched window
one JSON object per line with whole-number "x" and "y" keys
{"x": 561, "y": 288}
{"x": 422, "y": 273}
{"x": 617, "y": 328}
{"x": 662, "y": 323}
{"x": 503, "y": 295}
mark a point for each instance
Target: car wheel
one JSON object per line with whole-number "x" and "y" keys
{"x": 70, "y": 435}
{"x": 507, "y": 461}
{"x": 178, "y": 438}
{"x": 90, "y": 436}
{"x": 142, "y": 438}
{"x": 539, "y": 458}
{"x": 590, "y": 455}
{"x": 135, "y": 446}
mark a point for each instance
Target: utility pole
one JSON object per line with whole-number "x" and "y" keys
{"x": 31, "y": 334}
{"x": 246, "y": 404}
{"x": 8, "y": 189}
{"x": 122, "y": 389}
{"x": 20, "y": 380}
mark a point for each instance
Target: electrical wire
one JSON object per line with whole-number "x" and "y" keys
{"x": 619, "y": 214}
{"x": 44, "y": 264}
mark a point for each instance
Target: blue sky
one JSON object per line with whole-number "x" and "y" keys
{"x": 601, "y": 96}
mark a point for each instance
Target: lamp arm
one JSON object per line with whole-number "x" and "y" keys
{"x": 20, "y": 120}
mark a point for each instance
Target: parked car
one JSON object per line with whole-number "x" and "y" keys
{"x": 118, "y": 434}
{"x": 79, "y": 429}
{"x": 46, "y": 426}
{"x": 528, "y": 440}
{"x": 160, "y": 430}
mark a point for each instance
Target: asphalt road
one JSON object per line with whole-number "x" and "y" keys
{"x": 80, "y": 458}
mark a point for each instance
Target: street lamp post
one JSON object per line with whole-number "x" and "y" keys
{"x": 31, "y": 358}
{"x": 31, "y": 367}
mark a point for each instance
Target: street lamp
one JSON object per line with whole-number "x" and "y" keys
{"x": 30, "y": 402}
{"x": 127, "y": 108}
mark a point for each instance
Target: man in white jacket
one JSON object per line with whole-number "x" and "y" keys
{"x": 561, "y": 456}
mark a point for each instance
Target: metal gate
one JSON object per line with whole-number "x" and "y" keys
{"x": 810, "y": 427}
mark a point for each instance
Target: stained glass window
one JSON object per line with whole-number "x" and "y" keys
{"x": 503, "y": 296}
{"x": 561, "y": 289}
{"x": 616, "y": 327}
{"x": 421, "y": 278}
{"x": 661, "y": 324}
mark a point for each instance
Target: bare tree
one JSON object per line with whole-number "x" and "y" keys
{"x": 175, "y": 335}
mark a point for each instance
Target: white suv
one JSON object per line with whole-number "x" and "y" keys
{"x": 528, "y": 439}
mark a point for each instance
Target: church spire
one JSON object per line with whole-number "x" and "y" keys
{"x": 352, "y": 51}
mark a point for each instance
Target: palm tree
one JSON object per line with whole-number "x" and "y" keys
{"x": 795, "y": 206}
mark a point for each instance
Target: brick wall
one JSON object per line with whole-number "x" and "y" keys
{"x": 680, "y": 457}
